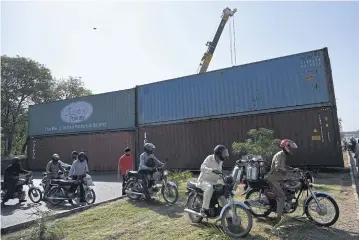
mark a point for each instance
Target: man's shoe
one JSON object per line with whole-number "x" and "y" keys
{"x": 147, "y": 197}
{"x": 204, "y": 212}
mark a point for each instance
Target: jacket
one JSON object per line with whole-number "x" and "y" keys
{"x": 278, "y": 170}
{"x": 207, "y": 166}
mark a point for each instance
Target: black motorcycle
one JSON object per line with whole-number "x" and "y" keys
{"x": 157, "y": 181}
{"x": 44, "y": 181}
{"x": 60, "y": 190}
{"x": 231, "y": 222}
{"x": 265, "y": 200}
{"x": 34, "y": 193}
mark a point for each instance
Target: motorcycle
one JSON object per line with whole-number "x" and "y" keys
{"x": 226, "y": 214}
{"x": 293, "y": 189}
{"x": 157, "y": 182}
{"x": 33, "y": 192}
{"x": 44, "y": 181}
{"x": 61, "y": 188}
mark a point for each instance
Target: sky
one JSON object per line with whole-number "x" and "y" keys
{"x": 143, "y": 42}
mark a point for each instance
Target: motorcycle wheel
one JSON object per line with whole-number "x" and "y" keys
{"x": 131, "y": 185}
{"x": 171, "y": 189}
{"x": 331, "y": 200}
{"x": 195, "y": 206}
{"x": 32, "y": 193}
{"x": 249, "y": 194}
{"x": 55, "y": 192}
{"x": 227, "y": 226}
{"x": 90, "y": 200}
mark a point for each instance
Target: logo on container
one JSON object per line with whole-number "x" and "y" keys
{"x": 76, "y": 112}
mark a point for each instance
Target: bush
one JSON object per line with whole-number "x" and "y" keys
{"x": 260, "y": 142}
{"x": 179, "y": 177}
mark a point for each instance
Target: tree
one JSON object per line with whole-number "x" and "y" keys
{"x": 70, "y": 88}
{"x": 23, "y": 81}
{"x": 26, "y": 82}
{"x": 260, "y": 142}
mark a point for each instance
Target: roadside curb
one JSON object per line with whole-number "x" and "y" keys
{"x": 354, "y": 187}
{"x": 27, "y": 224}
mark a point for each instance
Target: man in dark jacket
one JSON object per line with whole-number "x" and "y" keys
{"x": 11, "y": 177}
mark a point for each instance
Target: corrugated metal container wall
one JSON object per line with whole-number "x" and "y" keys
{"x": 186, "y": 145}
{"x": 103, "y": 149}
{"x": 101, "y": 112}
{"x": 288, "y": 82}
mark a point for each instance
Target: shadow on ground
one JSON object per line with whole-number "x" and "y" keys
{"x": 160, "y": 207}
{"x": 307, "y": 230}
{"x": 8, "y": 210}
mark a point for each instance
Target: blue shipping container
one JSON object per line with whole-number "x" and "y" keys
{"x": 102, "y": 112}
{"x": 285, "y": 83}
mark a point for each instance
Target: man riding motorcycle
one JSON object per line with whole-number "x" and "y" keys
{"x": 148, "y": 164}
{"x": 11, "y": 178}
{"x": 278, "y": 173}
{"x": 52, "y": 169}
{"x": 208, "y": 177}
{"x": 78, "y": 170}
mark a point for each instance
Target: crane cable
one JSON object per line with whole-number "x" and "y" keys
{"x": 232, "y": 42}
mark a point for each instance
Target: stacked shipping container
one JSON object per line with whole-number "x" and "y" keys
{"x": 103, "y": 124}
{"x": 186, "y": 117}
{"x": 292, "y": 95}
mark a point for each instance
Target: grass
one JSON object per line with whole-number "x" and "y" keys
{"x": 156, "y": 220}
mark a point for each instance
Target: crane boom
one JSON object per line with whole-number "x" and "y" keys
{"x": 207, "y": 57}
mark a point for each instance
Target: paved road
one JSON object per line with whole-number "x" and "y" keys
{"x": 106, "y": 187}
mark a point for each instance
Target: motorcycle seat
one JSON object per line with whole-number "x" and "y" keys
{"x": 132, "y": 172}
{"x": 193, "y": 185}
{"x": 62, "y": 181}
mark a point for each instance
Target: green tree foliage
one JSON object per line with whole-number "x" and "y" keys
{"x": 260, "y": 142}
{"x": 70, "y": 88}
{"x": 25, "y": 82}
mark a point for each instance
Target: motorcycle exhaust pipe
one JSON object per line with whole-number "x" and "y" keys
{"x": 57, "y": 198}
{"x": 136, "y": 193}
{"x": 193, "y": 212}
{"x": 253, "y": 203}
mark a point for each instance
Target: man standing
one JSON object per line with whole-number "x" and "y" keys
{"x": 124, "y": 163}
{"x": 86, "y": 157}
{"x": 78, "y": 171}
{"x": 74, "y": 155}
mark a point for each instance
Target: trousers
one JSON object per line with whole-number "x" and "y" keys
{"x": 276, "y": 188}
{"x": 207, "y": 188}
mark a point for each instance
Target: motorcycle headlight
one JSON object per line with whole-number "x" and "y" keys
{"x": 165, "y": 173}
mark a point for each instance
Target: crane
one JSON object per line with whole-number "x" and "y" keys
{"x": 207, "y": 57}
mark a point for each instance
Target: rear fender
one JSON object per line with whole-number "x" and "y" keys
{"x": 37, "y": 188}
{"x": 172, "y": 184}
{"x": 235, "y": 203}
